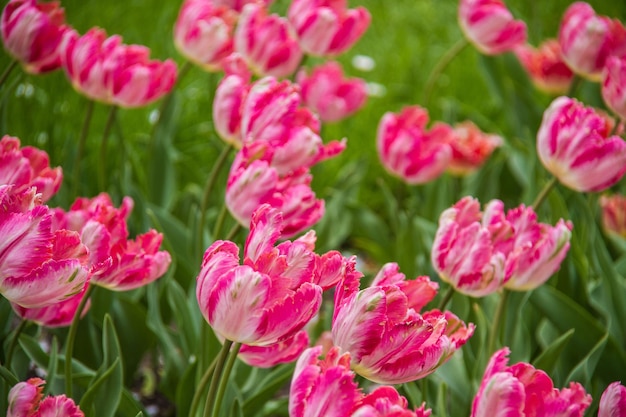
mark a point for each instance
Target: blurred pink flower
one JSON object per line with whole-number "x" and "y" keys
{"x": 490, "y": 26}
{"x": 26, "y": 400}
{"x": 27, "y": 167}
{"x": 267, "y": 43}
{"x": 204, "y": 33}
{"x": 470, "y": 148}
{"x": 614, "y": 85}
{"x": 271, "y": 355}
{"x": 32, "y": 32}
{"x": 587, "y": 40}
{"x": 613, "y": 401}
{"x": 106, "y": 70}
{"x": 327, "y": 27}
{"x": 545, "y": 66}
{"x": 238, "y": 5}
{"x": 389, "y": 341}
{"x": 574, "y": 145}
{"x": 329, "y": 94}
{"x": 521, "y": 390}
{"x": 614, "y": 214}
{"x": 229, "y": 100}
{"x": 408, "y": 151}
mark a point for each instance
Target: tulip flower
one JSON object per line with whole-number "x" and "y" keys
{"x": 613, "y": 401}
{"x": 613, "y": 81}
{"x": 238, "y": 5}
{"x": 545, "y": 66}
{"x": 470, "y": 148}
{"x": 58, "y": 314}
{"x": 271, "y": 355}
{"x": 574, "y": 145}
{"x": 229, "y": 100}
{"x": 490, "y": 26}
{"x": 267, "y": 42}
{"x": 327, "y": 27}
{"x": 32, "y": 32}
{"x": 204, "y": 32}
{"x": 410, "y": 152}
{"x": 587, "y": 40}
{"x": 386, "y": 401}
{"x": 106, "y": 70}
{"x": 26, "y": 400}
{"x": 27, "y": 167}
{"x": 614, "y": 214}
{"x": 389, "y": 341}
{"x": 329, "y": 94}
{"x": 521, "y": 390}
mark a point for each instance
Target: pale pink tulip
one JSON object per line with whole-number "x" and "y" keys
{"x": 613, "y": 401}
{"x": 327, "y": 27}
{"x": 204, "y": 33}
{"x": 490, "y": 26}
{"x": 106, "y": 70}
{"x": 587, "y": 40}
{"x": 385, "y": 401}
{"x": 59, "y": 314}
{"x": 521, "y": 390}
{"x": 27, "y": 167}
{"x": 614, "y": 85}
{"x": 545, "y": 66}
{"x": 271, "y": 355}
{"x": 574, "y": 145}
{"x": 267, "y": 42}
{"x": 410, "y": 152}
{"x": 32, "y": 32}
{"x": 26, "y": 400}
{"x": 470, "y": 148}
{"x": 614, "y": 214}
{"x": 329, "y": 94}
{"x": 389, "y": 341}
{"x": 229, "y": 100}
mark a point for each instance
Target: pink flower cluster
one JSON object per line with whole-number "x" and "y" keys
{"x": 26, "y": 400}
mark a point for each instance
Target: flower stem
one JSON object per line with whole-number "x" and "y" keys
{"x": 69, "y": 344}
{"x": 195, "y": 403}
{"x": 544, "y": 193}
{"x": 103, "y": 148}
{"x": 495, "y": 325}
{"x": 446, "y": 298}
{"x": 81, "y": 146}
{"x": 574, "y": 85}
{"x": 7, "y": 71}
{"x": 440, "y": 67}
{"x": 165, "y": 103}
{"x": 232, "y": 356}
{"x": 233, "y": 232}
{"x": 13, "y": 344}
{"x": 217, "y": 374}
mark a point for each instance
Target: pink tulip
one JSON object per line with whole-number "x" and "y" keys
{"x": 27, "y": 167}
{"x": 267, "y": 42}
{"x": 238, "y": 5}
{"x": 408, "y": 151}
{"x": 106, "y": 70}
{"x": 470, "y": 148}
{"x": 329, "y": 94}
{"x": 276, "y": 291}
{"x": 26, "y": 400}
{"x": 613, "y": 85}
{"x": 574, "y": 145}
{"x": 386, "y": 401}
{"x": 229, "y": 100}
{"x": 613, "y": 401}
{"x": 490, "y": 26}
{"x": 59, "y": 314}
{"x": 271, "y": 355}
{"x": 204, "y": 32}
{"x": 545, "y": 66}
{"x": 389, "y": 341}
{"x": 587, "y": 40}
{"x": 614, "y": 214}
{"x": 327, "y": 27}
{"x": 521, "y": 390}
{"x": 32, "y": 33}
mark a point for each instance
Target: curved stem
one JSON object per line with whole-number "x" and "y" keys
{"x": 195, "y": 403}
{"x": 495, "y": 325}
{"x": 7, "y": 71}
{"x": 13, "y": 344}
{"x": 165, "y": 103}
{"x": 69, "y": 344}
{"x": 217, "y": 374}
{"x": 81, "y": 145}
{"x": 574, "y": 85}
{"x": 446, "y": 298}
{"x": 103, "y": 148}
{"x": 544, "y": 193}
{"x": 232, "y": 356}
{"x": 233, "y": 232}
{"x": 440, "y": 67}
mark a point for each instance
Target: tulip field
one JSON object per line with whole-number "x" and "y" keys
{"x": 313, "y": 208}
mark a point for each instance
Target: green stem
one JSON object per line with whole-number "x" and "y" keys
{"x": 544, "y": 193}
{"x": 8, "y": 376}
{"x": 446, "y": 298}
{"x": 232, "y": 356}
{"x": 13, "y": 344}
{"x": 440, "y": 67}
{"x": 81, "y": 146}
{"x": 195, "y": 403}
{"x": 574, "y": 85}
{"x": 103, "y": 148}
{"x": 165, "y": 103}
{"x": 7, "y": 71}
{"x": 495, "y": 325}
{"x": 217, "y": 374}
{"x": 69, "y": 344}
{"x": 233, "y": 232}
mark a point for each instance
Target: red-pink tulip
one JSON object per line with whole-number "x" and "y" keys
{"x": 410, "y": 152}
{"x": 545, "y": 66}
{"x": 26, "y": 400}
{"x": 238, "y": 5}
{"x": 27, "y": 167}
{"x": 32, "y": 33}
{"x": 490, "y": 26}
{"x": 106, "y": 70}
{"x": 587, "y": 40}
{"x": 470, "y": 148}
{"x": 614, "y": 214}
{"x": 613, "y": 401}
{"x": 59, "y": 314}
{"x": 614, "y": 85}
{"x": 329, "y": 94}
{"x": 574, "y": 145}
{"x": 385, "y": 401}
{"x": 204, "y": 33}
{"x": 388, "y": 339}
{"x": 267, "y": 42}
{"x": 229, "y": 100}
{"x": 327, "y": 27}
{"x": 271, "y": 355}
{"x": 521, "y": 390}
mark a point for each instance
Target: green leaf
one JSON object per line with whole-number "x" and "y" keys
{"x": 8, "y": 376}
{"x": 236, "y": 410}
{"x": 586, "y": 367}
{"x": 186, "y": 389}
{"x": 548, "y": 358}
{"x": 31, "y": 346}
{"x": 267, "y": 388}
{"x": 186, "y": 316}
{"x": 52, "y": 365}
